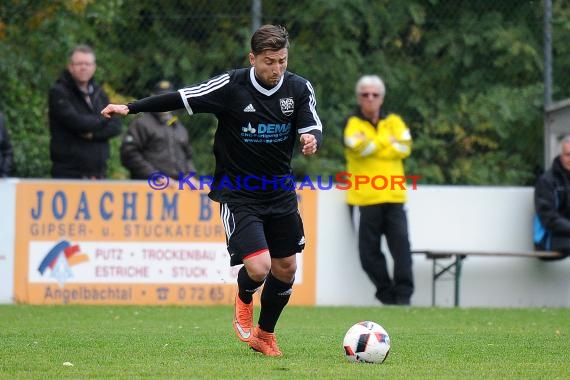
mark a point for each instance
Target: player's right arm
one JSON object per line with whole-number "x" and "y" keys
{"x": 159, "y": 103}
{"x": 207, "y": 96}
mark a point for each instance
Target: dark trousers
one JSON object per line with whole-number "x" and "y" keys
{"x": 390, "y": 220}
{"x": 62, "y": 173}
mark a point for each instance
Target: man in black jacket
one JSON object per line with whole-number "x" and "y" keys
{"x": 79, "y": 145}
{"x": 552, "y": 201}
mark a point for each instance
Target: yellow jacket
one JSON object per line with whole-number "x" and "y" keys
{"x": 375, "y": 154}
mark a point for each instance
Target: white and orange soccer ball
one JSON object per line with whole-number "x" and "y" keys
{"x": 366, "y": 342}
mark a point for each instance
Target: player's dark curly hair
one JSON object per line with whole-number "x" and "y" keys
{"x": 269, "y": 37}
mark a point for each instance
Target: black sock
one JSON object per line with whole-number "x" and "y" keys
{"x": 246, "y": 286}
{"x": 274, "y": 297}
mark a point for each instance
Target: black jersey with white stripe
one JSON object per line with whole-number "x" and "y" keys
{"x": 256, "y": 134}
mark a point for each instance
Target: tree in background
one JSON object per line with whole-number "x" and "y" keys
{"x": 466, "y": 76}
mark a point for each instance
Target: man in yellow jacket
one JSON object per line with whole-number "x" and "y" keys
{"x": 375, "y": 146}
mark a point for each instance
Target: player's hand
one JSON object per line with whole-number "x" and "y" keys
{"x": 308, "y": 144}
{"x": 112, "y": 109}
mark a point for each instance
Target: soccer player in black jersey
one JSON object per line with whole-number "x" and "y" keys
{"x": 262, "y": 110}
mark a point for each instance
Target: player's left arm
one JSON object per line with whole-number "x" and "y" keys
{"x": 311, "y": 130}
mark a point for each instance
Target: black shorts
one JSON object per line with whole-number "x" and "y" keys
{"x": 249, "y": 232}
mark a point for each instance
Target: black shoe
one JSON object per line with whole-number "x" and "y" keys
{"x": 386, "y": 299}
{"x": 402, "y": 301}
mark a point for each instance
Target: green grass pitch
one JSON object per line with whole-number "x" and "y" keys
{"x": 170, "y": 342}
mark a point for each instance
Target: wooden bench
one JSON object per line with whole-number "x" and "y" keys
{"x": 454, "y": 268}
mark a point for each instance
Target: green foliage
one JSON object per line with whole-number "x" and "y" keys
{"x": 561, "y": 49}
{"x": 169, "y": 342}
{"x": 466, "y": 76}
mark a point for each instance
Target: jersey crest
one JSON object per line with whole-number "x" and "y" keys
{"x": 287, "y": 106}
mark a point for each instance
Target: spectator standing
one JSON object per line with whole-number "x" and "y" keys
{"x": 157, "y": 142}
{"x": 79, "y": 145}
{"x": 376, "y": 143}
{"x": 552, "y": 201}
{"x": 6, "y": 154}
{"x": 261, "y": 110}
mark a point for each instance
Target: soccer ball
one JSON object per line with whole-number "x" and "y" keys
{"x": 366, "y": 342}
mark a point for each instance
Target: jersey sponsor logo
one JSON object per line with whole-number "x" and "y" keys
{"x": 249, "y": 108}
{"x": 249, "y": 129}
{"x": 273, "y": 128}
{"x": 266, "y": 132}
{"x": 287, "y": 106}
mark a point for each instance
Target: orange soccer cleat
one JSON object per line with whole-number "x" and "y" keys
{"x": 264, "y": 342}
{"x": 243, "y": 319}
